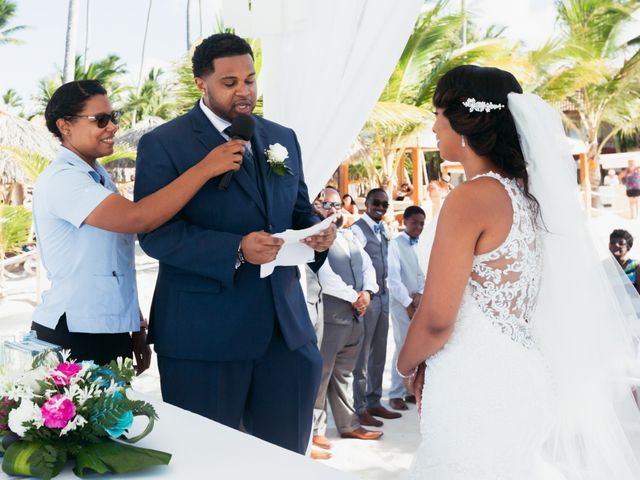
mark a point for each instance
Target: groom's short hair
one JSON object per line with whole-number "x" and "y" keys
{"x": 215, "y": 46}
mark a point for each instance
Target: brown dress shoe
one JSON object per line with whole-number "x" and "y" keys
{"x": 410, "y": 399}
{"x": 367, "y": 419}
{"x": 398, "y": 404}
{"x": 362, "y": 434}
{"x": 320, "y": 454}
{"x": 383, "y": 413}
{"x": 321, "y": 441}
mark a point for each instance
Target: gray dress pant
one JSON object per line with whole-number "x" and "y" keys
{"x": 400, "y": 320}
{"x": 367, "y": 376}
{"x": 340, "y": 347}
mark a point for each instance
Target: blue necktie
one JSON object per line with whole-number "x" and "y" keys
{"x": 248, "y": 163}
{"x": 379, "y": 228}
{"x": 413, "y": 241}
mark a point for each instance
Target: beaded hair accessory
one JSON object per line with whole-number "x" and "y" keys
{"x": 477, "y": 106}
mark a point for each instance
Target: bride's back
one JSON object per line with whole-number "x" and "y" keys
{"x": 505, "y": 275}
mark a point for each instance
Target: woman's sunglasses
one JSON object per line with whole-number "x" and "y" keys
{"x": 102, "y": 119}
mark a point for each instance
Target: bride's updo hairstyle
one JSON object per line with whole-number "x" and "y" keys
{"x": 492, "y": 134}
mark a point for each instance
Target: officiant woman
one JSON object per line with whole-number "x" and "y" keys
{"x": 85, "y": 229}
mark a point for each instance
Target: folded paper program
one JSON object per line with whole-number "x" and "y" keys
{"x": 293, "y": 251}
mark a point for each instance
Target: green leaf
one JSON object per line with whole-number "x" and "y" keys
{"x": 114, "y": 457}
{"x": 33, "y": 459}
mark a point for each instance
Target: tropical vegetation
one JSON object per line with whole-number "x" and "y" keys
{"x": 7, "y": 12}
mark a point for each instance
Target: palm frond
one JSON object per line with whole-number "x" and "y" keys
{"x": 32, "y": 163}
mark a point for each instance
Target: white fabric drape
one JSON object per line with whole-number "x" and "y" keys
{"x": 324, "y": 66}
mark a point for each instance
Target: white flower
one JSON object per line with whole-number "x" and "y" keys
{"x": 30, "y": 378}
{"x": 277, "y": 153}
{"x": 78, "y": 421}
{"x": 26, "y": 412}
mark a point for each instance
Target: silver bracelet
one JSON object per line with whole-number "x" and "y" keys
{"x": 412, "y": 374}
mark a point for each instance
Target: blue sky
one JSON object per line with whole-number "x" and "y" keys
{"x": 117, "y": 26}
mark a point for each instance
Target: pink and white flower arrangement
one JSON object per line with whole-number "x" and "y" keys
{"x": 60, "y": 409}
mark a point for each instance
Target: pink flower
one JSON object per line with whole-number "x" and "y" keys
{"x": 58, "y": 411}
{"x": 64, "y": 372}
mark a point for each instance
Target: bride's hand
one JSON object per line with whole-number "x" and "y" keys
{"x": 418, "y": 382}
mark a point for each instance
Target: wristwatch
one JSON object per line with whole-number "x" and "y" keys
{"x": 239, "y": 257}
{"x": 370, "y": 292}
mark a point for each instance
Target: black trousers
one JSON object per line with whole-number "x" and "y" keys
{"x": 99, "y": 347}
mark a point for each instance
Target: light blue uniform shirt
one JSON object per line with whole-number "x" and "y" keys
{"x": 92, "y": 271}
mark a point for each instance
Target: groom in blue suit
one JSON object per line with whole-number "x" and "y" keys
{"x": 231, "y": 346}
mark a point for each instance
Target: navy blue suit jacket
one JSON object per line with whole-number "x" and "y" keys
{"x": 203, "y": 308}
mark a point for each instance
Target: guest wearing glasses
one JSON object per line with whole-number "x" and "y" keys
{"x": 367, "y": 386}
{"x": 348, "y": 281}
{"x": 85, "y": 229}
{"x": 620, "y": 243}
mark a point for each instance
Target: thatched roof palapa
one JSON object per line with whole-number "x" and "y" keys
{"x": 131, "y": 136}
{"x": 17, "y": 132}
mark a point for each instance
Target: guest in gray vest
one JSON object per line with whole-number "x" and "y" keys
{"x": 314, "y": 301}
{"x": 348, "y": 279}
{"x": 406, "y": 282}
{"x": 367, "y": 376}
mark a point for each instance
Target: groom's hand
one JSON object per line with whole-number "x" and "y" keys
{"x": 260, "y": 247}
{"x": 323, "y": 240}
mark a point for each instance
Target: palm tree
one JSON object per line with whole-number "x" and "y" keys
{"x": 86, "y": 34}
{"x": 434, "y": 47}
{"x": 597, "y": 76}
{"x": 70, "y": 43}
{"x": 107, "y": 71}
{"x": 154, "y": 98}
{"x": 388, "y": 124}
{"x": 11, "y": 99}
{"x": 32, "y": 163}
{"x": 7, "y": 12}
{"x": 144, "y": 44}
{"x": 188, "y": 24}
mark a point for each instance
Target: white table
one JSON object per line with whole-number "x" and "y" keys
{"x": 204, "y": 449}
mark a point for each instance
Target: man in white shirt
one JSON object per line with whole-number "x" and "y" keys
{"x": 406, "y": 283}
{"x": 348, "y": 280}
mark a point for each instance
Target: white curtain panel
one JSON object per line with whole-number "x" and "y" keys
{"x": 324, "y": 65}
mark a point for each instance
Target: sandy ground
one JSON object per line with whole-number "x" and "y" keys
{"x": 388, "y": 458}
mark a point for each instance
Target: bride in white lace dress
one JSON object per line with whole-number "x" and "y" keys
{"x": 496, "y": 403}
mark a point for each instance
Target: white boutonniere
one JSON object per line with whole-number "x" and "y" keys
{"x": 276, "y": 158}
{"x": 386, "y": 235}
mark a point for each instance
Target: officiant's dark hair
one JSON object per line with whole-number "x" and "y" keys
{"x": 69, "y": 100}
{"x": 218, "y": 45}
{"x": 490, "y": 133}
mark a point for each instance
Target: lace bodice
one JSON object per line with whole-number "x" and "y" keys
{"x": 504, "y": 282}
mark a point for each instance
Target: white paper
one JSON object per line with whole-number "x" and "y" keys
{"x": 293, "y": 251}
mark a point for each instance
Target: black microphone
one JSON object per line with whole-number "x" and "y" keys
{"x": 242, "y": 127}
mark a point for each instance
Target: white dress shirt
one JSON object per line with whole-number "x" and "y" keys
{"x": 360, "y": 235}
{"x": 332, "y": 283}
{"x": 218, "y": 123}
{"x": 396, "y": 287}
